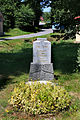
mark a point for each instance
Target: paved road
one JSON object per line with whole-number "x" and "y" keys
{"x": 43, "y": 32}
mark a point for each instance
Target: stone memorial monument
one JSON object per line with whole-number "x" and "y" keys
{"x": 1, "y": 24}
{"x": 41, "y": 68}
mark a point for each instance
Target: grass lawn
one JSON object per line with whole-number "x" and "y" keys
{"x": 15, "y": 58}
{"x": 14, "y": 32}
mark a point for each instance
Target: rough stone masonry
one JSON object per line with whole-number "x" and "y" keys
{"x": 41, "y": 68}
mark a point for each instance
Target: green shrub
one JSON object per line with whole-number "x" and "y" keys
{"x": 78, "y": 59}
{"x": 37, "y": 98}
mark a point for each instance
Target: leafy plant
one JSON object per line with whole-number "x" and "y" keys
{"x": 78, "y": 58}
{"x": 37, "y": 98}
{"x": 25, "y": 17}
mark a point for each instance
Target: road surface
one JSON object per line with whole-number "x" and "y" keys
{"x": 42, "y": 32}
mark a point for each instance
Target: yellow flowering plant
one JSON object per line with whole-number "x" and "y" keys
{"x": 39, "y": 98}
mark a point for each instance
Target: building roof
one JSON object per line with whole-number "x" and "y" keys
{"x": 77, "y": 17}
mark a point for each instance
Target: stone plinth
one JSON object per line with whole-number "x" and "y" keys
{"x": 41, "y": 68}
{"x": 41, "y": 71}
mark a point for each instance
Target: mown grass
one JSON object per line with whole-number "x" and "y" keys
{"x": 15, "y": 58}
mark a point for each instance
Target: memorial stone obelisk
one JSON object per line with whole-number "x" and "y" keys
{"x": 41, "y": 68}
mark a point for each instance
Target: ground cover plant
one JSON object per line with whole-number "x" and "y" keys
{"x": 15, "y": 58}
{"x": 39, "y": 98}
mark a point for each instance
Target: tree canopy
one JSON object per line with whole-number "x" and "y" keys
{"x": 18, "y": 13}
{"x": 64, "y": 11}
{"x": 37, "y": 6}
{"x": 9, "y": 9}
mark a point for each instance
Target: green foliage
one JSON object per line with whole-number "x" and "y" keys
{"x": 25, "y": 17}
{"x": 37, "y": 98}
{"x": 78, "y": 58}
{"x": 65, "y": 11}
{"x": 47, "y": 16}
{"x": 16, "y": 14}
{"x": 37, "y": 6}
{"x": 9, "y": 9}
{"x": 21, "y": 13}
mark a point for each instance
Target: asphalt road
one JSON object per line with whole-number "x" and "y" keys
{"x": 42, "y": 32}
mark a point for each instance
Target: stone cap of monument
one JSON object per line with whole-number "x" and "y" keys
{"x": 1, "y": 17}
{"x": 41, "y": 39}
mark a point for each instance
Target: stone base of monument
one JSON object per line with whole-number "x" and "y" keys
{"x": 41, "y": 71}
{"x": 41, "y": 82}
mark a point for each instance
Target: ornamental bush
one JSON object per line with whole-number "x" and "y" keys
{"x": 39, "y": 98}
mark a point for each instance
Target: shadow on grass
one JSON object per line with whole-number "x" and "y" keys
{"x": 57, "y": 37}
{"x": 2, "y": 39}
{"x": 14, "y": 64}
{"x": 66, "y": 36}
{"x": 65, "y": 56}
{"x": 5, "y": 35}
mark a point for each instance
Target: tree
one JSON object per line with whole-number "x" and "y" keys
{"x": 37, "y": 6}
{"x": 16, "y": 14}
{"x": 64, "y": 11}
{"x": 13, "y": 9}
{"x": 47, "y": 16}
{"x": 8, "y": 9}
{"x": 25, "y": 17}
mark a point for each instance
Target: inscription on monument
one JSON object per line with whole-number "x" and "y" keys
{"x": 42, "y": 51}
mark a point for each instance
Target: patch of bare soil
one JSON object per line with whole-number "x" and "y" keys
{"x": 77, "y": 95}
{"x": 25, "y": 116}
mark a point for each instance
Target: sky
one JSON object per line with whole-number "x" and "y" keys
{"x": 47, "y": 9}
